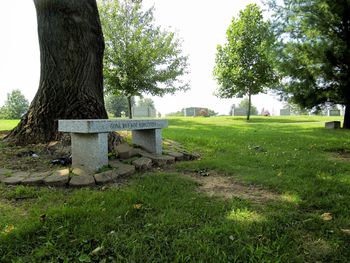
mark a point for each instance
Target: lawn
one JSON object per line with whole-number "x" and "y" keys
{"x": 7, "y": 124}
{"x": 301, "y": 170}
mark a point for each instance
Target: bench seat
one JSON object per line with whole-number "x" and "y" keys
{"x": 90, "y": 138}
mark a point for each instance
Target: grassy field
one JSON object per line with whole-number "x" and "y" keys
{"x": 8, "y": 124}
{"x": 304, "y": 216}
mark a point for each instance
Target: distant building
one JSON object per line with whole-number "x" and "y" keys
{"x": 144, "y": 112}
{"x": 334, "y": 112}
{"x": 284, "y": 112}
{"x": 195, "y": 111}
{"x": 239, "y": 112}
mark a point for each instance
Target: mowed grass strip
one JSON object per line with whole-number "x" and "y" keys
{"x": 6, "y": 125}
{"x": 162, "y": 217}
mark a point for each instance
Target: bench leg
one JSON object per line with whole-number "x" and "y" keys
{"x": 89, "y": 151}
{"x": 150, "y": 140}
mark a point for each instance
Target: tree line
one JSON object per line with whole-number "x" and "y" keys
{"x": 302, "y": 53}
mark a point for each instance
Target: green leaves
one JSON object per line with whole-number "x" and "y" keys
{"x": 243, "y": 64}
{"x": 313, "y": 50}
{"x": 15, "y": 105}
{"x": 140, "y": 57}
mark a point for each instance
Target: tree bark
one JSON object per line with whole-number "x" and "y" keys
{"x": 346, "y": 124}
{"x": 249, "y": 105}
{"x": 130, "y": 106}
{"x": 71, "y": 52}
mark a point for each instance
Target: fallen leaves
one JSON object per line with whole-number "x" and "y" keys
{"x": 8, "y": 229}
{"x": 326, "y": 217}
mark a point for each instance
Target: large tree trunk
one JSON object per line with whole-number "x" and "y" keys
{"x": 71, "y": 53}
{"x": 346, "y": 124}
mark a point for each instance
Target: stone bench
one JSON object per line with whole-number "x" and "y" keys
{"x": 90, "y": 138}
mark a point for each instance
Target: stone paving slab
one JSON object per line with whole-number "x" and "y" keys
{"x": 20, "y": 174}
{"x": 58, "y": 178}
{"x": 82, "y": 180}
{"x": 142, "y": 163}
{"x": 159, "y": 160}
{"x": 38, "y": 179}
{"x": 104, "y": 177}
{"x": 13, "y": 180}
{"x": 177, "y": 155}
{"x": 5, "y": 172}
{"x": 122, "y": 169}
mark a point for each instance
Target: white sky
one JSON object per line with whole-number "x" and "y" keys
{"x": 201, "y": 24}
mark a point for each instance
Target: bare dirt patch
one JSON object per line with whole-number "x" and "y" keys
{"x": 340, "y": 154}
{"x": 226, "y": 187}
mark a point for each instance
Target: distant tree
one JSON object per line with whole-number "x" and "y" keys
{"x": 139, "y": 56}
{"x": 117, "y": 104}
{"x": 295, "y": 108}
{"x": 212, "y": 112}
{"x": 232, "y": 108}
{"x": 313, "y": 51}
{"x": 146, "y": 102}
{"x": 244, "y": 64}
{"x": 15, "y": 105}
{"x": 245, "y": 104}
{"x": 179, "y": 113}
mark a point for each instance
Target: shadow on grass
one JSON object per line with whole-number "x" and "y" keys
{"x": 161, "y": 218}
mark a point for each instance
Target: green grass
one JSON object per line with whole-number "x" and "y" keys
{"x": 6, "y": 125}
{"x": 162, "y": 217}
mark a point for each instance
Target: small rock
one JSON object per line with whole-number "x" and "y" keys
{"x": 20, "y": 174}
{"x": 105, "y": 177}
{"x": 158, "y": 160}
{"x": 142, "y": 163}
{"x": 82, "y": 180}
{"x": 59, "y": 178}
{"x": 190, "y": 156}
{"x": 124, "y": 151}
{"x": 80, "y": 171}
{"x": 177, "y": 155}
{"x": 124, "y": 169}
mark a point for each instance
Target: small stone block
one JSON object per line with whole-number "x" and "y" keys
{"x": 80, "y": 171}
{"x": 104, "y": 177}
{"x": 59, "y": 178}
{"x": 125, "y": 170}
{"x": 36, "y": 178}
{"x": 142, "y": 163}
{"x": 177, "y": 155}
{"x": 82, "y": 180}
{"x": 13, "y": 180}
{"x": 332, "y": 125}
{"x": 124, "y": 151}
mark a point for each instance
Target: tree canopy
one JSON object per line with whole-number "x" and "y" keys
{"x": 146, "y": 102}
{"x": 313, "y": 53}
{"x": 243, "y": 63}
{"x": 15, "y": 105}
{"x": 140, "y": 57}
{"x": 118, "y": 104}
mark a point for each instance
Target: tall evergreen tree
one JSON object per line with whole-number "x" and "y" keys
{"x": 314, "y": 52}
